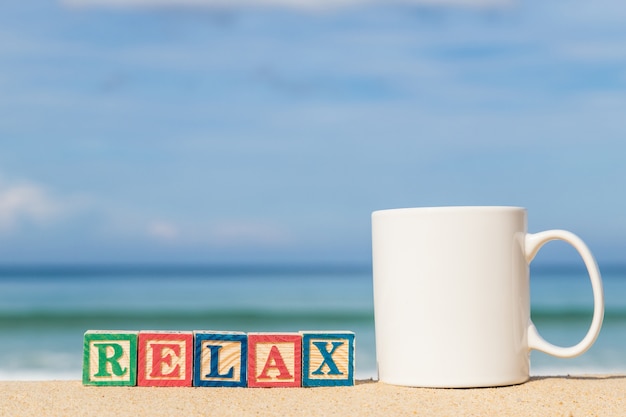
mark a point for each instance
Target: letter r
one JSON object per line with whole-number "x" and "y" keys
{"x": 103, "y": 359}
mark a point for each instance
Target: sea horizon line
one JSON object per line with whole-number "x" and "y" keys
{"x": 34, "y": 269}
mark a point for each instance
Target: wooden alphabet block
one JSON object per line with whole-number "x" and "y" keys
{"x": 221, "y": 359}
{"x": 327, "y": 359}
{"x": 110, "y": 358}
{"x": 164, "y": 358}
{"x": 274, "y": 360}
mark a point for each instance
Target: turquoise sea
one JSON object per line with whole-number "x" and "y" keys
{"x": 45, "y": 310}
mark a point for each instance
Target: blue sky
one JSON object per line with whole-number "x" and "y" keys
{"x": 264, "y": 133}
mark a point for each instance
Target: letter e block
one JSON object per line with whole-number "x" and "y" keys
{"x": 110, "y": 358}
{"x": 165, "y": 358}
{"x": 327, "y": 359}
{"x": 221, "y": 359}
{"x": 274, "y": 360}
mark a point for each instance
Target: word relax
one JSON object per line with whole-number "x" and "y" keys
{"x": 218, "y": 359}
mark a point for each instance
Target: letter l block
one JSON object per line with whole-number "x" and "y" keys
{"x": 221, "y": 359}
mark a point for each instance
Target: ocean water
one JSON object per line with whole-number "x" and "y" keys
{"x": 44, "y": 311}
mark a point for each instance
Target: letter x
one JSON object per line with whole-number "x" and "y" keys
{"x": 328, "y": 358}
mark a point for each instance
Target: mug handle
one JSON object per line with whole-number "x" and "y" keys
{"x": 533, "y": 243}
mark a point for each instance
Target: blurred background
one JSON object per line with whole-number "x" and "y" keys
{"x": 205, "y": 164}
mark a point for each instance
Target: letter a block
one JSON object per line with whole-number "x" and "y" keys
{"x": 110, "y": 358}
{"x": 164, "y": 359}
{"x": 274, "y": 360}
{"x": 221, "y": 359}
{"x": 327, "y": 359}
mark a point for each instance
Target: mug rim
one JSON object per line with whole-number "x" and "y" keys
{"x": 448, "y": 209}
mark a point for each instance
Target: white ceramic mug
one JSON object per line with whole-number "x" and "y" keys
{"x": 451, "y": 296}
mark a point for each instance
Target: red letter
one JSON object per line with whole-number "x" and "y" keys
{"x": 278, "y": 363}
{"x": 159, "y": 359}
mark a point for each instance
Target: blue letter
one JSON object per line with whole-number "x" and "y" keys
{"x": 328, "y": 358}
{"x": 215, "y": 372}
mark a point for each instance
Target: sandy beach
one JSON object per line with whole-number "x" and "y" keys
{"x": 603, "y": 395}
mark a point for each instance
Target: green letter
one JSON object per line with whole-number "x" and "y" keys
{"x": 118, "y": 351}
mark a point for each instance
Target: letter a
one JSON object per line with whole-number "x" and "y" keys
{"x": 275, "y": 361}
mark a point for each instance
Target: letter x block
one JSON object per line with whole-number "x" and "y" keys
{"x": 110, "y": 358}
{"x": 327, "y": 359}
{"x": 221, "y": 359}
{"x": 274, "y": 360}
{"x": 165, "y": 359}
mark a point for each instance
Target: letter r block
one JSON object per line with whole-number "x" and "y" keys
{"x": 220, "y": 359}
{"x": 110, "y": 358}
{"x": 327, "y": 359}
{"x": 274, "y": 360}
{"x": 165, "y": 358}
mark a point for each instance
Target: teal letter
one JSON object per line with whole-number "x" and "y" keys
{"x": 328, "y": 358}
{"x": 215, "y": 371}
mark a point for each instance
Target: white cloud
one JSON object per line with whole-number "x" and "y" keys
{"x": 27, "y": 203}
{"x": 247, "y": 232}
{"x": 224, "y": 233}
{"x": 599, "y": 50}
{"x": 163, "y": 230}
{"x": 290, "y": 4}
